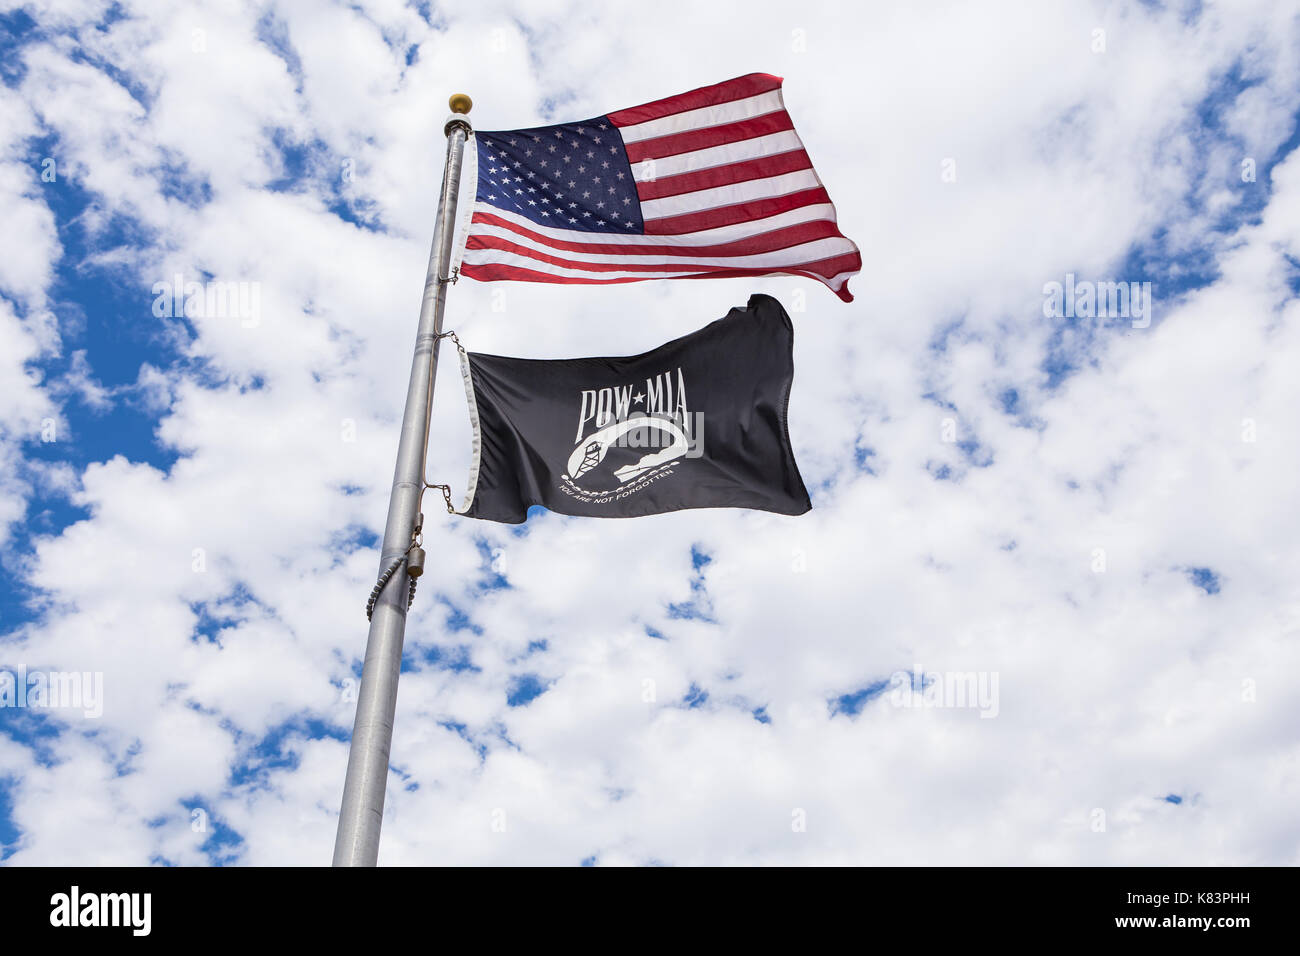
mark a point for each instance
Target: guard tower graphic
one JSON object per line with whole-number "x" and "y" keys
{"x": 590, "y": 459}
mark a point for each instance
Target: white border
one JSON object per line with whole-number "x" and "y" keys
{"x": 476, "y": 443}
{"x": 467, "y": 199}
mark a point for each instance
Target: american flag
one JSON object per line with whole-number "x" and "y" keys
{"x": 708, "y": 184}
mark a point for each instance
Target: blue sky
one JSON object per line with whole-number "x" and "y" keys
{"x": 1094, "y": 511}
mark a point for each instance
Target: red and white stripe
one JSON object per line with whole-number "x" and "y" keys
{"x": 725, "y": 188}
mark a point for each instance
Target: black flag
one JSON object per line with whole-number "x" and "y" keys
{"x": 697, "y": 423}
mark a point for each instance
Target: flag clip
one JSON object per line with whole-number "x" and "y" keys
{"x": 446, "y": 492}
{"x": 452, "y": 336}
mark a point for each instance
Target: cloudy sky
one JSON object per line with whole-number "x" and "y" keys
{"x": 1087, "y": 521}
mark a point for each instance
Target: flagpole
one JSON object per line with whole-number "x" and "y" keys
{"x": 362, "y": 809}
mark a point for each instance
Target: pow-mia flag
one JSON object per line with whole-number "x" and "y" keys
{"x": 697, "y": 423}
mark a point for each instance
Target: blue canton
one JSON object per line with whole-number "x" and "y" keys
{"x": 572, "y": 176}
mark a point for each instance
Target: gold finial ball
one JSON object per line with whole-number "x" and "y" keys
{"x": 460, "y": 103}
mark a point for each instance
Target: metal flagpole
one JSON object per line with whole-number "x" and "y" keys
{"x": 362, "y": 810}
